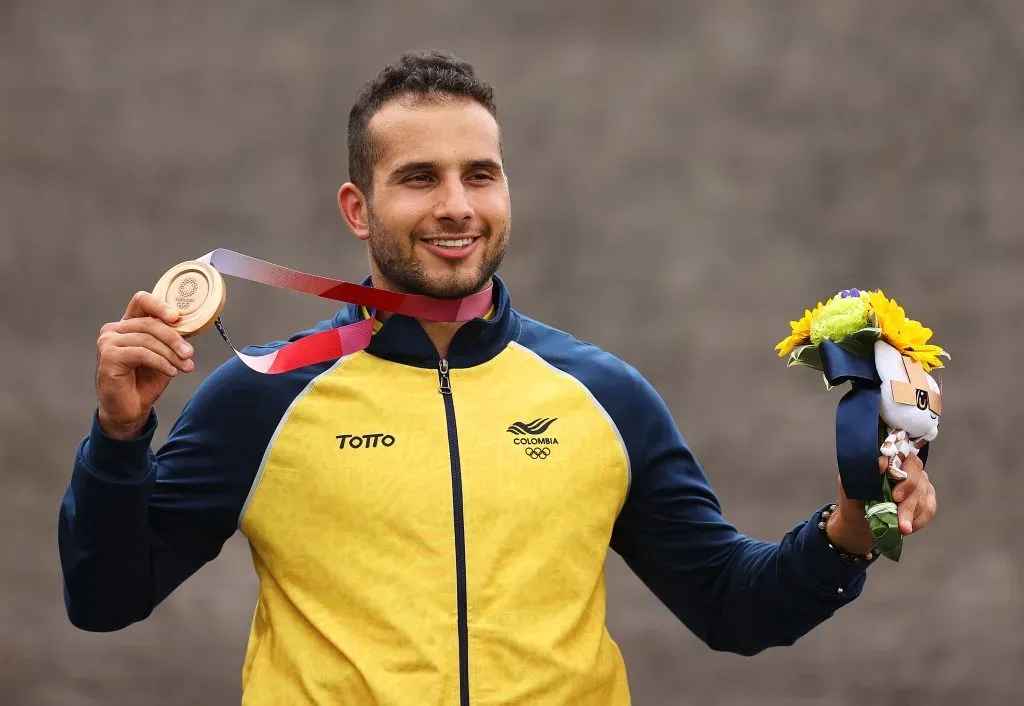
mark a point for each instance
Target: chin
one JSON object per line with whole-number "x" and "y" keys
{"x": 457, "y": 287}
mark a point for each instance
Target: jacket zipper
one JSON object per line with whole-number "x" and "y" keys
{"x": 445, "y": 388}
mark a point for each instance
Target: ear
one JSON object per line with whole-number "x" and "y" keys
{"x": 354, "y": 208}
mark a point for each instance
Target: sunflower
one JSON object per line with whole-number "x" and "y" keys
{"x": 907, "y": 336}
{"x": 801, "y": 332}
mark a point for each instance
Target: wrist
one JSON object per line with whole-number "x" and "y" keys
{"x": 121, "y": 431}
{"x": 851, "y": 535}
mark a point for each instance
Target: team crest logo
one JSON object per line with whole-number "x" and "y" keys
{"x": 528, "y": 434}
{"x": 536, "y": 427}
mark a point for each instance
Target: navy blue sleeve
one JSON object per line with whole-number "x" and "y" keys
{"x": 135, "y": 524}
{"x": 735, "y": 593}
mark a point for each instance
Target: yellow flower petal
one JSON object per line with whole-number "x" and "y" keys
{"x": 907, "y": 336}
{"x": 801, "y": 332}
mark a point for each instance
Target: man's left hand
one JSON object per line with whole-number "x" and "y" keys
{"x": 914, "y": 498}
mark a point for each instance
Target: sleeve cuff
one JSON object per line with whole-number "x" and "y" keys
{"x": 121, "y": 459}
{"x": 827, "y": 571}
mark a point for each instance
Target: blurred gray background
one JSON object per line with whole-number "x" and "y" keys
{"x": 686, "y": 177}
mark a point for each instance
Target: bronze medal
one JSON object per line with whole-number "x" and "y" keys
{"x": 197, "y": 291}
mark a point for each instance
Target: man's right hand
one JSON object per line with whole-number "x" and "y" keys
{"x": 136, "y": 358}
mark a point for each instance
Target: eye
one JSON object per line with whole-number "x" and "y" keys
{"x": 418, "y": 179}
{"x": 481, "y": 176}
{"x": 922, "y": 399}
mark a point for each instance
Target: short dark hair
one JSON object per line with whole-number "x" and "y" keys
{"x": 426, "y": 75}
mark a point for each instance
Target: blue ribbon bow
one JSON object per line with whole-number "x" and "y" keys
{"x": 859, "y": 430}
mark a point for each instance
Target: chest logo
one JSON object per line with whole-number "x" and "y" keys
{"x": 534, "y": 428}
{"x": 528, "y": 434}
{"x": 364, "y": 441}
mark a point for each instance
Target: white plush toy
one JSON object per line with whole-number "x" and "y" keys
{"x": 910, "y": 405}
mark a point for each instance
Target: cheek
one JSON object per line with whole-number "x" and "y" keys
{"x": 493, "y": 209}
{"x": 401, "y": 217}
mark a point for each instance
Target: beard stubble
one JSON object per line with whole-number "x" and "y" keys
{"x": 395, "y": 258}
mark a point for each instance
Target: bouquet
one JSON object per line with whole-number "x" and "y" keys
{"x": 894, "y": 404}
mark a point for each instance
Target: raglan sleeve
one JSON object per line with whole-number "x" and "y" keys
{"x": 735, "y": 593}
{"x": 134, "y": 524}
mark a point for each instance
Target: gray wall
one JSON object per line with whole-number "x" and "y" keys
{"x": 686, "y": 177}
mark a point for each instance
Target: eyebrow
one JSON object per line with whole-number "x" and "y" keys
{"x": 410, "y": 167}
{"x": 485, "y": 164}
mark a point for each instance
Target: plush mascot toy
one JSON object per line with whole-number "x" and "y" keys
{"x": 893, "y": 406}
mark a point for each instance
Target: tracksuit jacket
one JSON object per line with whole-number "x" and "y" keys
{"x": 432, "y": 531}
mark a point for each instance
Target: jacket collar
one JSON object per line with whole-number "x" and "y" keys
{"x": 402, "y": 339}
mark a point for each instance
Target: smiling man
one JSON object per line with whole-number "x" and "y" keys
{"x": 428, "y": 193}
{"x": 455, "y": 554}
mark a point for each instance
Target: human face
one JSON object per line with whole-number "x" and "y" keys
{"x": 438, "y": 218}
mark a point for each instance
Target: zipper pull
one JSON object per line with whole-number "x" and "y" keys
{"x": 446, "y": 383}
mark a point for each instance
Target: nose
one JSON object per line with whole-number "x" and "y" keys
{"x": 453, "y": 204}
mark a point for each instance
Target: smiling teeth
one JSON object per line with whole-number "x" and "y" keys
{"x": 462, "y": 242}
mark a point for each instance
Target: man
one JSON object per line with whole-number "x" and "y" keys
{"x": 463, "y": 561}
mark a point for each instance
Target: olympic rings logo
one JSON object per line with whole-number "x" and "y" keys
{"x": 188, "y": 287}
{"x": 536, "y": 453}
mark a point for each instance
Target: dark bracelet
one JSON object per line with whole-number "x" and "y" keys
{"x": 843, "y": 554}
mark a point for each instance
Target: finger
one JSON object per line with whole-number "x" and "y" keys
{"x": 914, "y": 463}
{"x": 146, "y": 340}
{"x": 148, "y": 304}
{"x": 139, "y": 357}
{"x": 906, "y": 511}
{"x": 915, "y": 472}
{"x": 883, "y": 465}
{"x": 926, "y": 509}
{"x": 158, "y": 330}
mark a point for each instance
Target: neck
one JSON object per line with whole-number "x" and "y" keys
{"x": 440, "y": 333}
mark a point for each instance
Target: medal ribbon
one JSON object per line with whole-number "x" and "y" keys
{"x": 344, "y": 340}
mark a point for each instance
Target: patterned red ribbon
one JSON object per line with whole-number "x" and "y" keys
{"x": 345, "y": 340}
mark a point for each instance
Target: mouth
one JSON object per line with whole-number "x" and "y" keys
{"x": 451, "y": 248}
{"x": 932, "y": 415}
